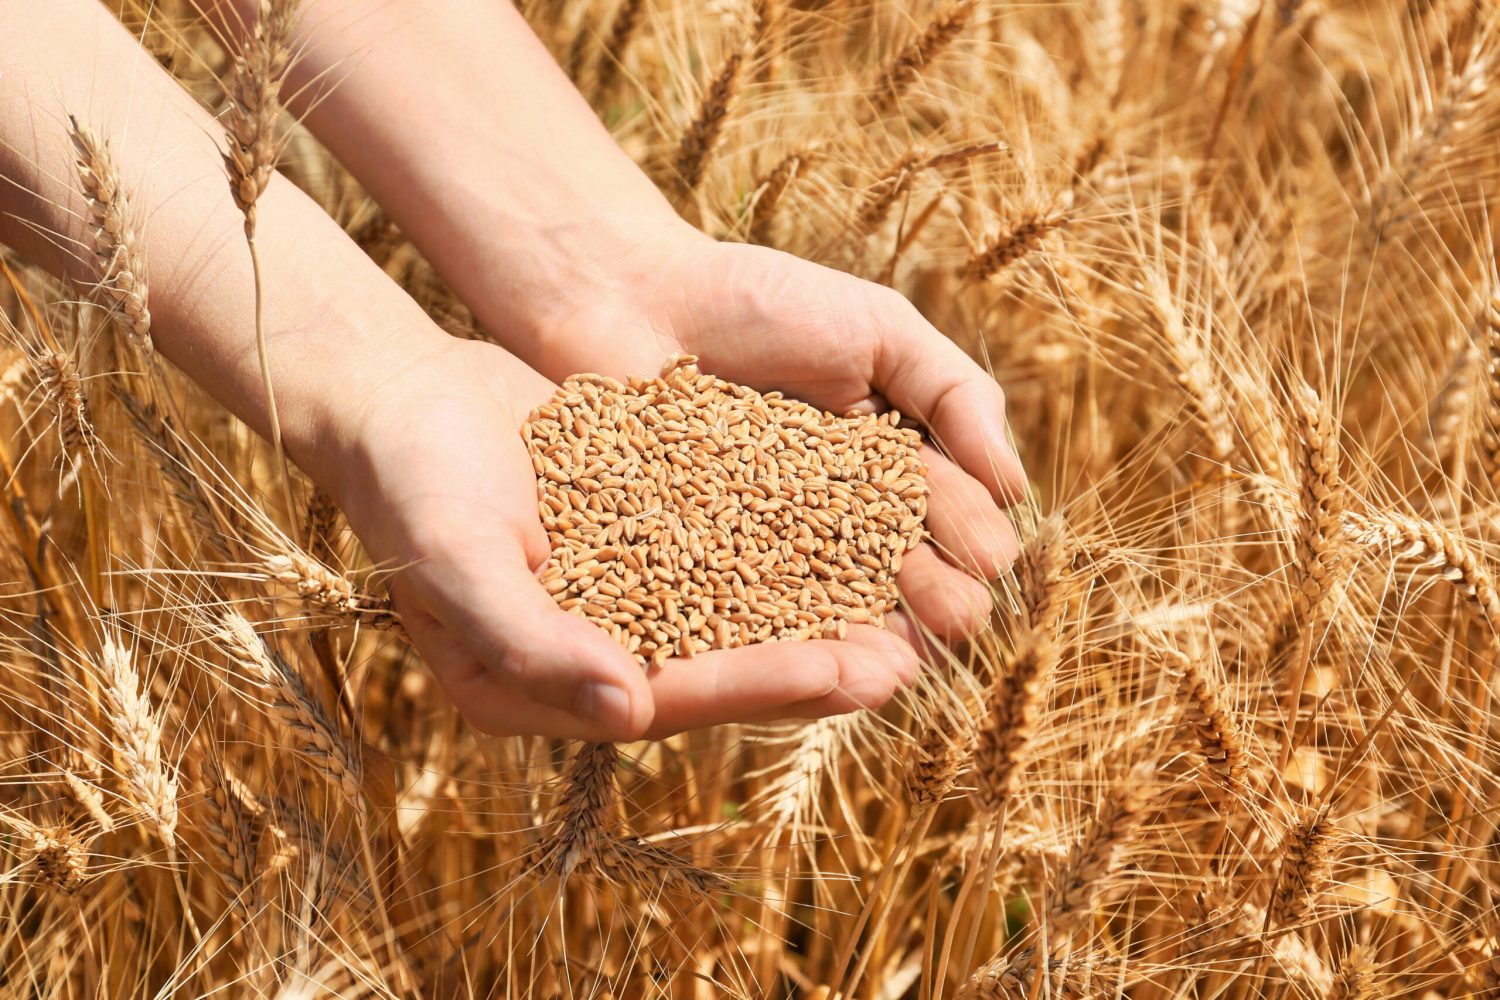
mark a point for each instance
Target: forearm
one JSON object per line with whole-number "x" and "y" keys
{"x": 329, "y": 312}
{"x": 457, "y": 120}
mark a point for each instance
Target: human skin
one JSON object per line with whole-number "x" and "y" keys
{"x": 571, "y": 258}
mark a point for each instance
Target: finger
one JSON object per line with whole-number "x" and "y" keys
{"x": 905, "y": 627}
{"x": 516, "y": 630}
{"x": 482, "y": 699}
{"x": 966, "y": 524}
{"x": 948, "y": 601}
{"x": 875, "y": 662}
{"x": 732, "y": 685}
{"x": 927, "y": 376}
{"x": 779, "y": 680}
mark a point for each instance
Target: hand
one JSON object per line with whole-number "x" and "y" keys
{"x": 438, "y": 485}
{"x": 773, "y": 321}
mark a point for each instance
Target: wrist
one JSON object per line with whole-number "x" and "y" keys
{"x": 575, "y": 278}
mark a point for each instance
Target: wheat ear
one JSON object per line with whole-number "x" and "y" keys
{"x": 1355, "y": 979}
{"x": 1436, "y": 547}
{"x": 771, "y": 187}
{"x": 62, "y": 386}
{"x": 233, "y": 833}
{"x": 59, "y": 856}
{"x": 1096, "y": 857}
{"x": 1208, "y": 712}
{"x": 121, "y": 285}
{"x": 137, "y": 728}
{"x": 1489, "y": 436}
{"x": 332, "y": 592}
{"x": 622, "y": 29}
{"x": 1307, "y": 855}
{"x": 904, "y": 70}
{"x": 1023, "y": 238}
{"x": 696, "y": 149}
{"x": 289, "y": 703}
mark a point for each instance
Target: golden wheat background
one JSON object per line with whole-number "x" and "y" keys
{"x": 1234, "y": 732}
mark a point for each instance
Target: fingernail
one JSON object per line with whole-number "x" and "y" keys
{"x": 604, "y": 704}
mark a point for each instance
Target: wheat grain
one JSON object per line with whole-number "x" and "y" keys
{"x": 687, "y": 513}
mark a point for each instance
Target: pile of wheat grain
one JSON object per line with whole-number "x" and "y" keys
{"x": 1234, "y": 734}
{"x": 687, "y": 513}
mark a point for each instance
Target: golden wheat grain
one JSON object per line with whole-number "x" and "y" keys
{"x": 686, "y": 513}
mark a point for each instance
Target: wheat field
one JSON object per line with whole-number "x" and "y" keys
{"x": 1232, "y": 731}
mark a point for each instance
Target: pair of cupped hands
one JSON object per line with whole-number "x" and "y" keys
{"x": 444, "y": 489}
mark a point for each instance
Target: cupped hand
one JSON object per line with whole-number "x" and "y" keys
{"x": 439, "y": 487}
{"x": 773, "y": 321}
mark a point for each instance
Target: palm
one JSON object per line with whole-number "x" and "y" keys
{"x": 447, "y": 498}
{"x": 773, "y": 321}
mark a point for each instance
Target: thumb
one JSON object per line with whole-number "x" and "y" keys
{"x": 516, "y": 631}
